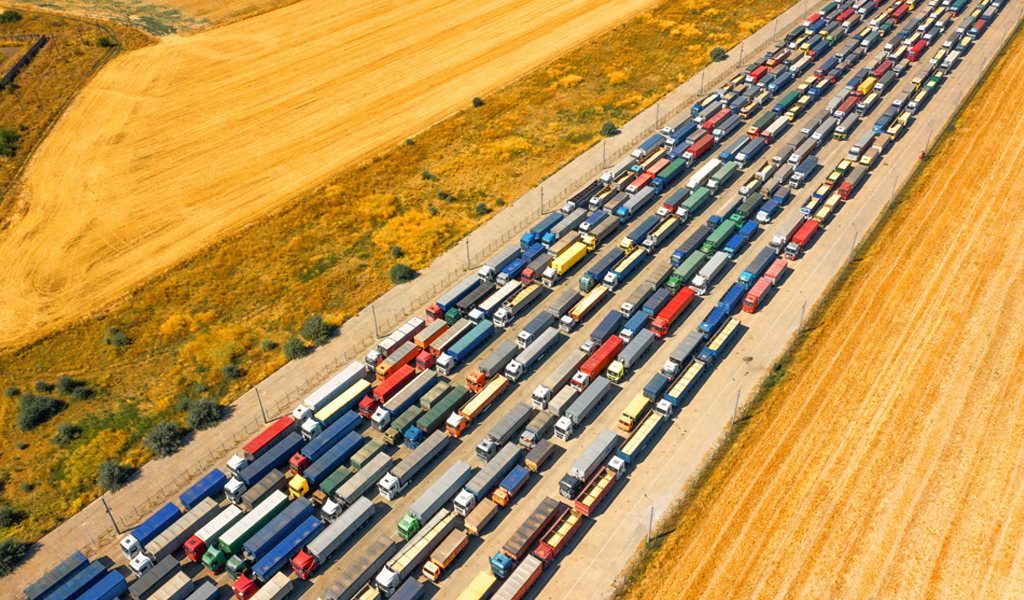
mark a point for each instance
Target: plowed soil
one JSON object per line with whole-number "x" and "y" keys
{"x": 889, "y": 463}
{"x": 172, "y": 147}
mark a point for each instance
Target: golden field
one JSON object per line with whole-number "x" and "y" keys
{"x": 887, "y": 460}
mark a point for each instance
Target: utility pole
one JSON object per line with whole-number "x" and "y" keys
{"x": 776, "y": 30}
{"x": 801, "y": 330}
{"x": 468, "y": 267}
{"x": 542, "y": 199}
{"x": 740, "y": 63}
{"x": 657, "y": 113}
{"x": 373, "y": 311}
{"x": 852, "y": 246}
{"x": 650, "y": 520}
{"x": 603, "y": 144}
{"x": 106, "y": 509}
{"x": 736, "y": 407}
{"x": 260, "y": 400}
{"x": 701, "y": 92}
{"x": 892, "y": 194}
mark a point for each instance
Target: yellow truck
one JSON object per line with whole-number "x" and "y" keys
{"x": 563, "y": 262}
{"x": 634, "y": 412}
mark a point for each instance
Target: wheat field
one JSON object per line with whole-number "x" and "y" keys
{"x": 174, "y": 146}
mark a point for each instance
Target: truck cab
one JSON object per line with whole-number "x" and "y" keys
{"x": 486, "y": 450}
{"x": 140, "y": 565}
{"x": 502, "y": 565}
{"x": 297, "y": 487}
{"x": 569, "y": 487}
{"x": 237, "y": 463}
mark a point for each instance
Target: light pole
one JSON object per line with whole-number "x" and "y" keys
{"x": 650, "y": 520}
{"x": 260, "y": 400}
{"x": 736, "y": 407}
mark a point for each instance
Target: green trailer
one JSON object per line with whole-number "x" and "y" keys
{"x": 720, "y": 236}
{"x": 685, "y": 272}
{"x": 395, "y": 434}
{"x": 366, "y": 453}
{"x": 762, "y": 122}
{"x": 724, "y": 176}
{"x": 428, "y": 400}
{"x": 887, "y": 26}
{"x": 336, "y": 478}
{"x": 882, "y": 86}
{"x": 748, "y": 209}
{"x": 692, "y": 205}
{"x": 231, "y": 541}
{"x": 787, "y": 101}
{"x": 436, "y": 416}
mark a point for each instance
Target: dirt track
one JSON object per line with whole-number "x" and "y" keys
{"x": 890, "y": 464}
{"x": 171, "y": 147}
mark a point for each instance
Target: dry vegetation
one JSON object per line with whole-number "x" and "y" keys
{"x": 886, "y": 462}
{"x": 329, "y": 252}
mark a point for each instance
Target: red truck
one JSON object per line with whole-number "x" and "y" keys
{"x": 715, "y": 119}
{"x": 597, "y": 362}
{"x": 852, "y": 182}
{"x": 917, "y": 50}
{"x": 756, "y": 294}
{"x": 671, "y": 312}
{"x": 425, "y": 360}
{"x": 268, "y": 437}
{"x": 882, "y": 69}
{"x": 900, "y": 12}
{"x": 776, "y": 271}
{"x": 801, "y": 238}
{"x": 699, "y": 148}
{"x": 596, "y": 489}
{"x": 383, "y": 392}
{"x": 658, "y": 166}
{"x": 559, "y": 536}
{"x": 846, "y": 14}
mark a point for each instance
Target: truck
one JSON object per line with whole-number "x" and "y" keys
{"x": 536, "y": 429}
{"x": 691, "y": 244}
{"x": 800, "y": 240}
{"x": 454, "y": 332}
{"x": 133, "y": 543}
{"x": 196, "y": 546}
{"x": 394, "y": 341}
{"x": 445, "y": 555}
{"x": 521, "y": 580}
{"x": 480, "y": 486}
{"x": 319, "y": 445}
{"x": 464, "y": 417}
{"x": 698, "y": 149}
{"x": 395, "y": 433}
{"x": 278, "y": 456}
{"x": 493, "y": 302}
{"x": 852, "y": 181}
{"x": 608, "y": 326}
{"x": 324, "y": 466}
{"x": 668, "y": 315}
{"x": 640, "y": 438}
{"x": 561, "y": 401}
{"x": 711, "y": 352}
{"x": 634, "y": 411}
{"x": 481, "y": 516}
{"x": 803, "y": 171}
{"x": 111, "y": 586}
{"x": 324, "y": 394}
{"x": 510, "y": 485}
{"x": 702, "y": 175}
{"x": 489, "y": 271}
{"x": 504, "y": 431}
{"x": 785, "y": 235}
{"x": 429, "y": 334}
{"x": 594, "y": 274}
{"x": 601, "y": 232}
{"x": 650, "y": 145}
{"x": 541, "y": 323}
{"x": 440, "y": 307}
{"x": 537, "y": 232}
{"x": 494, "y": 364}
{"x": 670, "y": 203}
{"x": 277, "y": 588}
{"x": 558, "y": 536}
{"x": 757, "y": 267}
{"x": 175, "y": 536}
{"x": 701, "y": 283}
{"x": 634, "y": 204}
{"x": 577, "y": 412}
{"x": 56, "y": 577}
{"x": 656, "y": 302}
{"x": 436, "y": 416}
{"x": 569, "y": 321}
{"x": 384, "y": 392}
{"x": 319, "y": 549}
{"x": 84, "y": 578}
{"x": 399, "y": 477}
{"x": 557, "y": 379}
{"x": 694, "y": 203}
{"x": 593, "y": 220}
{"x": 640, "y": 295}
{"x": 713, "y": 322}
{"x": 336, "y": 409}
{"x": 720, "y": 236}
{"x": 667, "y": 176}
{"x": 564, "y": 304}
{"x": 349, "y": 493}
{"x": 563, "y": 262}
{"x": 539, "y": 455}
{"x": 466, "y": 305}
{"x": 518, "y": 546}
{"x": 415, "y": 552}
{"x": 660, "y": 233}
{"x": 618, "y": 169}
{"x": 268, "y": 536}
{"x": 684, "y": 386}
{"x": 626, "y": 266}
{"x": 520, "y": 366}
{"x": 154, "y": 579}
{"x": 287, "y": 549}
{"x": 732, "y": 298}
{"x": 588, "y": 462}
{"x": 633, "y": 326}
{"x": 594, "y": 492}
{"x": 631, "y": 355}
{"x": 209, "y": 486}
{"x": 461, "y": 349}
{"x": 359, "y": 566}
{"x": 268, "y": 438}
{"x": 436, "y": 496}
{"x": 534, "y": 271}
{"x": 567, "y": 225}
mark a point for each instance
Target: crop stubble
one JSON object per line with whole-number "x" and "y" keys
{"x": 891, "y": 462}
{"x": 176, "y": 145}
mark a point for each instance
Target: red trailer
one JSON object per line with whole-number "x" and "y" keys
{"x": 597, "y": 362}
{"x": 699, "y": 148}
{"x": 776, "y": 271}
{"x": 801, "y": 238}
{"x": 756, "y": 294}
{"x": 671, "y": 312}
{"x": 882, "y": 69}
{"x": 898, "y": 14}
{"x": 559, "y": 536}
{"x": 658, "y": 166}
{"x": 847, "y": 105}
{"x": 597, "y": 488}
{"x": 846, "y": 14}
{"x": 917, "y": 51}
{"x": 268, "y": 437}
{"x": 383, "y": 392}
{"x": 756, "y": 75}
{"x": 715, "y": 119}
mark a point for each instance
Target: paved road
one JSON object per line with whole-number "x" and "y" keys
{"x": 604, "y": 545}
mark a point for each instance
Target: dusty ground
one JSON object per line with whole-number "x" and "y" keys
{"x": 888, "y": 463}
{"x": 169, "y": 148}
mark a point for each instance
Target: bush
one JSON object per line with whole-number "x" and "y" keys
{"x": 81, "y": 393}
{"x": 11, "y": 552}
{"x": 203, "y": 414}
{"x": 268, "y": 345}
{"x": 481, "y": 209}
{"x": 231, "y": 372}
{"x": 105, "y": 41}
{"x": 11, "y": 391}
{"x": 608, "y": 129}
{"x": 183, "y": 403}
{"x": 718, "y": 54}
{"x": 66, "y": 434}
{"x": 66, "y": 384}
{"x": 9, "y": 16}
{"x": 477, "y": 102}
{"x": 396, "y": 252}
{"x": 43, "y": 387}
{"x": 499, "y": 202}
{"x": 9, "y": 141}
{"x": 21, "y": 445}
{"x": 9, "y": 516}
{"x": 25, "y": 487}
{"x": 441, "y": 195}
{"x": 293, "y": 348}
{"x": 116, "y": 338}
{"x": 164, "y": 439}
{"x": 36, "y": 410}
{"x": 426, "y": 175}
{"x": 401, "y": 274}
{"x": 112, "y": 476}
{"x": 409, "y": 142}
{"x": 315, "y": 330}
{"x": 433, "y": 210}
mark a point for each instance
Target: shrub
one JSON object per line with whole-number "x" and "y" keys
{"x": 183, "y": 403}
{"x": 293, "y": 348}
{"x": 21, "y": 445}
{"x": 433, "y": 210}
{"x": 477, "y": 102}
{"x": 11, "y": 552}
{"x": 409, "y": 142}
{"x": 112, "y": 476}
{"x": 116, "y": 338}
{"x": 66, "y": 384}
{"x": 401, "y": 274}
{"x": 81, "y": 393}
{"x": 43, "y": 387}
{"x": 441, "y": 195}
{"x": 105, "y": 41}
{"x": 11, "y": 391}
{"x": 8, "y": 516}
{"x": 499, "y": 202}
{"x": 718, "y": 54}
{"x": 315, "y": 330}
{"x": 66, "y": 434}
{"x": 35, "y": 410}
{"x": 25, "y": 487}
{"x": 203, "y": 414}
{"x": 268, "y": 345}
{"x": 608, "y": 129}
{"x": 9, "y": 16}
{"x": 481, "y": 209}
{"x": 396, "y": 252}
{"x": 231, "y": 372}
{"x": 9, "y": 137}
{"x": 164, "y": 439}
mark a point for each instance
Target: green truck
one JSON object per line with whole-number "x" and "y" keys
{"x": 787, "y": 101}
{"x": 366, "y": 453}
{"x": 433, "y": 395}
{"x": 748, "y": 209}
{"x": 720, "y": 236}
{"x": 692, "y": 205}
{"x": 335, "y": 479}
{"x": 230, "y": 543}
{"x": 724, "y": 176}
{"x": 685, "y": 272}
{"x": 436, "y": 416}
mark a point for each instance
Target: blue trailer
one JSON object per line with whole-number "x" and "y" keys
{"x": 733, "y": 298}
{"x": 273, "y": 532}
{"x": 734, "y": 245}
{"x": 734, "y": 149}
{"x": 657, "y": 385}
{"x": 748, "y": 230}
{"x": 782, "y": 195}
{"x": 134, "y": 542}
{"x": 593, "y": 220}
{"x": 450, "y": 299}
{"x": 512, "y": 271}
{"x": 68, "y": 568}
{"x": 694, "y": 242}
{"x": 639, "y": 233}
{"x": 325, "y": 441}
{"x": 595, "y": 273}
{"x": 608, "y": 326}
{"x": 656, "y": 302}
{"x": 633, "y": 326}
{"x": 397, "y": 405}
{"x": 649, "y": 146}
{"x": 780, "y": 83}
{"x": 534, "y": 235}
{"x": 329, "y": 462}
{"x": 756, "y": 268}
{"x": 207, "y": 487}
{"x": 287, "y": 549}
{"x": 110, "y": 587}
{"x": 469, "y": 342}
{"x": 713, "y": 322}
{"x": 272, "y": 459}
{"x": 77, "y": 585}
{"x": 513, "y": 482}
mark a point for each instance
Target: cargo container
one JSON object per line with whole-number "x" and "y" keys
{"x": 536, "y": 429}
{"x": 634, "y": 326}
{"x": 73, "y": 587}
{"x": 494, "y": 364}
{"x": 436, "y": 416}
{"x": 640, "y": 295}
{"x": 668, "y": 315}
{"x": 701, "y": 283}
{"x": 268, "y": 438}
{"x": 438, "y": 309}
{"x": 56, "y": 577}
{"x": 588, "y": 462}
{"x": 133, "y": 543}
{"x": 464, "y": 417}
{"x": 415, "y": 552}
{"x": 800, "y": 240}
{"x": 287, "y": 549}
{"x": 504, "y": 431}
{"x": 113, "y": 585}
{"x": 466, "y": 345}
{"x": 631, "y": 355}
{"x": 595, "y": 273}
{"x": 175, "y": 536}
{"x": 360, "y": 566}
{"x": 578, "y": 410}
{"x": 317, "y": 447}
{"x": 399, "y": 477}
{"x": 445, "y": 554}
{"x": 758, "y": 293}
{"x": 698, "y": 149}
{"x": 480, "y": 516}
{"x": 386, "y": 390}
{"x": 565, "y": 261}
{"x": 154, "y": 579}
{"x": 518, "y": 546}
{"x": 320, "y": 549}
{"x": 437, "y": 495}
{"x": 232, "y": 540}
{"x": 520, "y": 366}
{"x": 365, "y": 478}
{"x": 569, "y": 321}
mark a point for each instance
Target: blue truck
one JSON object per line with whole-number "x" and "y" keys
{"x": 656, "y": 386}
{"x": 648, "y": 147}
{"x": 733, "y": 298}
{"x": 734, "y": 148}
{"x": 608, "y": 326}
{"x": 287, "y": 549}
{"x": 627, "y": 265}
{"x": 57, "y": 576}
{"x": 317, "y": 472}
{"x": 782, "y": 195}
{"x": 207, "y": 487}
{"x": 534, "y": 235}
{"x": 269, "y": 461}
{"x": 256, "y": 547}
{"x": 73, "y": 588}
{"x": 464, "y": 347}
{"x": 694, "y": 242}
{"x": 595, "y": 273}
{"x": 639, "y": 234}
{"x": 397, "y": 405}
{"x": 756, "y": 268}
{"x": 593, "y": 220}
{"x": 734, "y": 245}
{"x": 133, "y": 543}
{"x": 713, "y": 322}
{"x": 656, "y": 302}
{"x": 780, "y": 82}
{"x": 114, "y": 585}
{"x": 319, "y": 445}
{"x": 450, "y": 299}
{"x": 633, "y": 326}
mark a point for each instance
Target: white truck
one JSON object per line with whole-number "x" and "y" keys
{"x": 398, "y": 478}
{"x": 557, "y": 379}
{"x": 581, "y": 407}
{"x": 701, "y": 283}
{"x": 520, "y": 365}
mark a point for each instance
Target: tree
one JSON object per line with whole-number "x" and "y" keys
{"x": 409, "y": 142}
{"x": 481, "y": 209}
{"x": 112, "y": 476}
{"x": 66, "y": 384}
{"x": 230, "y": 372}
{"x": 164, "y": 439}
{"x": 11, "y": 552}
{"x": 66, "y": 434}
{"x": 35, "y": 410}
{"x": 477, "y": 102}
{"x": 315, "y": 330}
{"x": 11, "y": 391}
{"x": 401, "y": 273}
{"x": 718, "y": 54}
{"x": 8, "y": 516}
{"x": 9, "y": 16}
{"x": 203, "y": 414}
{"x": 9, "y": 141}
{"x": 116, "y": 338}
{"x": 293, "y": 348}
{"x": 608, "y": 129}
{"x": 396, "y": 252}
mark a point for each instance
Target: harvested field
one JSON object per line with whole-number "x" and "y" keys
{"x": 172, "y": 147}
{"x": 887, "y": 461}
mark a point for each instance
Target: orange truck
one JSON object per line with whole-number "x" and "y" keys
{"x": 510, "y": 485}
{"x": 459, "y": 421}
{"x": 492, "y": 365}
{"x": 445, "y": 555}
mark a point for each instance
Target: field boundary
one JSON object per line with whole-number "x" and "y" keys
{"x": 637, "y": 566}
